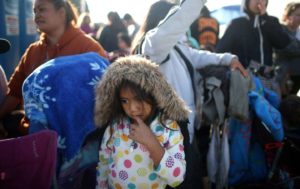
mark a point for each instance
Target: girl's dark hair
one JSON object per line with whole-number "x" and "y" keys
{"x": 141, "y": 94}
{"x": 71, "y": 11}
{"x": 157, "y": 12}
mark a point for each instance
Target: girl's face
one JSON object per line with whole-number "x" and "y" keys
{"x": 258, "y": 6}
{"x": 133, "y": 106}
{"x": 46, "y": 17}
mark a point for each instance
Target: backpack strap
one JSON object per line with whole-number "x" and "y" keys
{"x": 189, "y": 67}
{"x": 184, "y": 130}
{"x": 138, "y": 48}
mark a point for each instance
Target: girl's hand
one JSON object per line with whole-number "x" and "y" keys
{"x": 142, "y": 134}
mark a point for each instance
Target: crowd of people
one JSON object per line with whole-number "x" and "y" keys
{"x": 173, "y": 105}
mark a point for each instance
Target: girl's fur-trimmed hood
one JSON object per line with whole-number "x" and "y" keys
{"x": 145, "y": 74}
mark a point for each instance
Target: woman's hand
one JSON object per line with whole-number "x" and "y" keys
{"x": 235, "y": 64}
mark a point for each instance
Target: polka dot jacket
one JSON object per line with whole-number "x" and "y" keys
{"x": 124, "y": 163}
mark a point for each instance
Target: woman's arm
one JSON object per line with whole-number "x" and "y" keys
{"x": 202, "y": 58}
{"x": 160, "y": 40}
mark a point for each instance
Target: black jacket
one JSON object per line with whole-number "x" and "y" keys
{"x": 243, "y": 39}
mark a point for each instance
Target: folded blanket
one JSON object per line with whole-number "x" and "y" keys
{"x": 28, "y": 161}
{"x": 59, "y": 95}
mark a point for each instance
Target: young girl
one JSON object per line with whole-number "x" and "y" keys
{"x": 142, "y": 146}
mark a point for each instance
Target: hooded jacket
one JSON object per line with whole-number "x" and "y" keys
{"x": 72, "y": 42}
{"x": 252, "y": 38}
{"x": 137, "y": 164}
{"x": 145, "y": 74}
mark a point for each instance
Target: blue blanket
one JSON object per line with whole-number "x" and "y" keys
{"x": 59, "y": 95}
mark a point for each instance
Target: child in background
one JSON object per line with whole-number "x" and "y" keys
{"x": 124, "y": 44}
{"x": 143, "y": 145}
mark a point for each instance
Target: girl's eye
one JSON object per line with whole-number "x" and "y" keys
{"x": 124, "y": 101}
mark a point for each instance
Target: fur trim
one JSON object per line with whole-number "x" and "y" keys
{"x": 144, "y": 73}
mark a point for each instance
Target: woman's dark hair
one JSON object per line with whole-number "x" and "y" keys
{"x": 157, "y": 12}
{"x": 117, "y": 24}
{"x": 71, "y": 11}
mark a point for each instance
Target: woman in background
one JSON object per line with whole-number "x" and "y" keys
{"x": 84, "y": 23}
{"x": 108, "y": 36}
